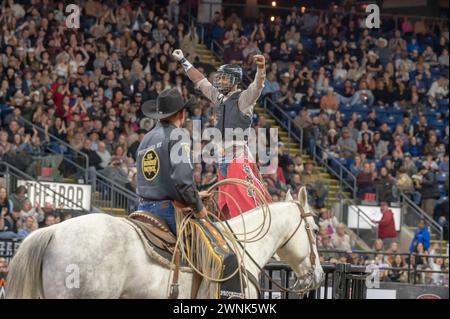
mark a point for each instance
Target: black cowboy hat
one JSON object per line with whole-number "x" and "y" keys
{"x": 167, "y": 104}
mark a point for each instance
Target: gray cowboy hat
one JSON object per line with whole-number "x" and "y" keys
{"x": 167, "y": 104}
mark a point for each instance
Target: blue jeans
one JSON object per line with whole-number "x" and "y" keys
{"x": 163, "y": 209}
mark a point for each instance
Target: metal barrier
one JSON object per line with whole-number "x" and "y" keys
{"x": 108, "y": 194}
{"x": 412, "y": 214}
{"x": 342, "y": 281}
{"x": 412, "y": 268}
{"x": 72, "y": 152}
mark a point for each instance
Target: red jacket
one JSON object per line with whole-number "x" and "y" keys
{"x": 386, "y": 226}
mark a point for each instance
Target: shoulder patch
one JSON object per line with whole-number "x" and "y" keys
{"x": 150, "y": 165}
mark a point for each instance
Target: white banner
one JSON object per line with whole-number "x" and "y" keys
{"x": 72, "y": 196}
{"x": 373, "y": 212}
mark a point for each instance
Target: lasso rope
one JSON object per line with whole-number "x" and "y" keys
{"x": 185, "y": 240}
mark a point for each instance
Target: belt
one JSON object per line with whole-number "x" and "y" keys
{"x": 151, "y": 201}
{"x": 178, "y": 204}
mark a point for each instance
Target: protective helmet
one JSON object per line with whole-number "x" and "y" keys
{"x": 227, "y": 76}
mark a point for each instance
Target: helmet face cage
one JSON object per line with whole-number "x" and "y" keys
{"x": 225, "y": 82}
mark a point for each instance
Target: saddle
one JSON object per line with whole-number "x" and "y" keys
{"x": 155, "y": 230}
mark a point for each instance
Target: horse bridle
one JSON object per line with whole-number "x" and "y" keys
{"x": 312, "y": 242}
{"x": 312, "y": 257}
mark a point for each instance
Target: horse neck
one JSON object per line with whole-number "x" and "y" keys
{"x": 283, "y": 220}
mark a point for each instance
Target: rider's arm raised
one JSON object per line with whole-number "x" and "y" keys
{"x": 199, "y": 80}
{"x": 249, "y": 96}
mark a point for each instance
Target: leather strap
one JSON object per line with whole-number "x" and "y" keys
{"x": 196, "y": 281}
{"x": 174, "y": 290}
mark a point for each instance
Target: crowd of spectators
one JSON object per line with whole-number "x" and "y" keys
{"x": 375, "y": 101}
{"x": 19, "y": 217}
{"x": 423, "y": 265}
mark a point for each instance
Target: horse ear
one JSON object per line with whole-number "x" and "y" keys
{"x": 288, "y": 196}
{"x": 303, "y": 196}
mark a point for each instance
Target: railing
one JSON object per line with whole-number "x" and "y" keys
{"x": 342, "y": 169}
{"x": 12, "y": 176}
{"x": 361, "y": 215}
{"x": 345, "y": 280}
{"x": 105, "y": 192}
{"x": 108, "y": 194}
{"x": 412, "y": 214}
{"x": 409, "y": 259}
{"x": 75, "y": 153}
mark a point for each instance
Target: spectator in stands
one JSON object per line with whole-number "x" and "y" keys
{"x": 310, "y": 101}
{"x": 50, "y": 220}
{"x": 329, "y": 102}
{"x": 386, "y": 225}
{"x": 428, "y": 189}
{"x": 28, "y": 226}
{"x": 384, "y": 186}
{"x": 316, "y": 188}
{"x": 398, "y": 271}
{"x": 439, "y": 88}
{"x": 443, "y": 59}
{"x": 393, "y": 249}
{"x": 366, "y": 147}
{"x": 271, "y": 86}
{"x": 5, "y": 203}
{"x": 421, "y": 236}
{"x": 381, "y": 146}
{"x": 19, "y": 197}
{"x": 340, "y": 240}
{"x": 327, "y": 221}
{"x": 29, "y": 211}
{"x": 378, "y": 245}
{"x": 365, "y": 181}
{"x": 10, "y": 224}
{"x": 233, "y": 54}
{"x": 347, "y": 145}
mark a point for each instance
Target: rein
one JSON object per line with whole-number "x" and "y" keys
{"x": 312, "y": 256}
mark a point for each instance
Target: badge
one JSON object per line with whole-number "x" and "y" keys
{"x": 150, "y": 165}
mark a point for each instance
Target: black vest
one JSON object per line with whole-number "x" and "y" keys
{"x": 230, "y": 116}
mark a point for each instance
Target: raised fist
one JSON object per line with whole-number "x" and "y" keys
{"x": 260, "y": 60}
{"x": 178, "y": 54}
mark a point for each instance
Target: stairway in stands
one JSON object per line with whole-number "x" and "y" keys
{"x": 206, "y": 56}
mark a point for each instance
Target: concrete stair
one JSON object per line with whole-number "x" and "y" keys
{"x": 206, "y": 56}
{"x": 293, "y": 148}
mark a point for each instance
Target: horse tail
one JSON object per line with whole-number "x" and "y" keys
{"x": 24, "y": 280}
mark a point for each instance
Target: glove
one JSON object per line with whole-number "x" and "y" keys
{"x": 178, "y": 54}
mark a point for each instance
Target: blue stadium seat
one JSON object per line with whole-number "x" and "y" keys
{"x": 442, "y": 192}
{"x": 441, "y": 177}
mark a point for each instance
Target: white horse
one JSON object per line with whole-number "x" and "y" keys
{"x": 100, "y": 256}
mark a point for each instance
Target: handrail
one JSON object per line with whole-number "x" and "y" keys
{"x": 21, "y": 174}
{"x": 341, "y": 167}
{"x": 360, "y": 212}
{"x": 123, "y": 190}
{"x": 57, "y": 139}
{"x": 373, "y": 252}
{"x": 419, "y": 212}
